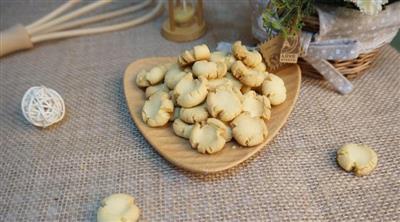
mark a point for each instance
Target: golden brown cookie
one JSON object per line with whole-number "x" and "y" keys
{"x": 194, "y": 114}
{"x": 249, "y": 77}
{"x": 256, "y": 105}
{"x": 118, "y": 207}
{"x": 358, "y": 158}
{"x": 182, "y": 129}
{"x": 157, "y": 110}
{"x": 207, "y": 138}
{"x": 190, "y": 92}
{"x": 224, "y": 103}
{"x": 274, "y": 88}
{"x": 249, "y": 131}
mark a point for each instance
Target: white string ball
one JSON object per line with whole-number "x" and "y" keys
{"x": 42, "y": 106}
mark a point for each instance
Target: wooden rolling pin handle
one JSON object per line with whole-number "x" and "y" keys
{"x": 14, "y": 39}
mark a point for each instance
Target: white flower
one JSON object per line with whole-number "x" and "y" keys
{"x": 369, "y": 7}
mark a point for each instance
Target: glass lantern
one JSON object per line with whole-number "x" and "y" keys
{"x": 185, "y": 20}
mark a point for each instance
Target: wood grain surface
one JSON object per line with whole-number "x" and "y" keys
{"x": 178, "y": 150}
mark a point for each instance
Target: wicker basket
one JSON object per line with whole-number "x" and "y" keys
{"x": 349, "y": 68}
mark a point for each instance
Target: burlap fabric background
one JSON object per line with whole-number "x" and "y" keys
{"x": 61, "y": 173}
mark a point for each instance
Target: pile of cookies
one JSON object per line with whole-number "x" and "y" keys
{"x": 212, "y": 97}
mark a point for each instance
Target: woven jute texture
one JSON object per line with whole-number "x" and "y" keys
{"x": 61, "y": 173}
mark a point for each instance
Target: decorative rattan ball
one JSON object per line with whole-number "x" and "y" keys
{"x": 42, "y": 106}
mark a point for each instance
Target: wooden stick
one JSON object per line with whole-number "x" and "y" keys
{"x": 101, "y": 17}
{"x": 69, "y": 16}
{"x": 53, "y": 14}
{"x": 14, "y": 39}
{"x": 89, "y": 31}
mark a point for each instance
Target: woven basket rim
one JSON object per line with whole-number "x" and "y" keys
{"x": 350, "y": 68}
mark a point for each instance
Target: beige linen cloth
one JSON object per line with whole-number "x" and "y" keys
{"x": 62, "y": 173}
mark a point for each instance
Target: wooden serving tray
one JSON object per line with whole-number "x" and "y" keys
{"x": 178, "y": 150}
